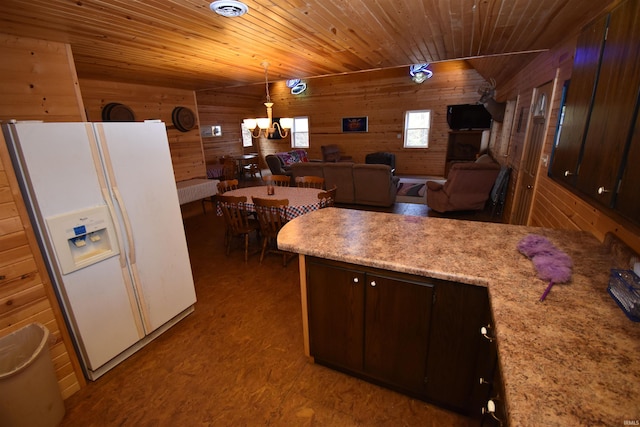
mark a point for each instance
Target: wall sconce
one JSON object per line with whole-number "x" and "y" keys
{"x": 420, "y": 72}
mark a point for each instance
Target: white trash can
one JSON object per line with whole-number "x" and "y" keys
{"x": 30, "y": 395}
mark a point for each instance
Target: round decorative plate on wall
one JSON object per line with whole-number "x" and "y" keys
{"x": 183, "y": 119}
{"x": 115, "y": 112}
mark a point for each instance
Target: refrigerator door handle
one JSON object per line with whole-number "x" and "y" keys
{"x": 133, "y": 298}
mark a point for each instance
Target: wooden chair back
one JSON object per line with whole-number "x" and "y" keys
{"x": 234, "y": 213}
{"x": 310, "y": 182}
{"x": 277, "y": 180}
{"x": 227, "y": 185}
{"x": 229, "y": 169}
{"x": 271, "y": 214}
{"x": 252, "y": 168}
{"x": 237, "y": 221}
{"x": 327, "y": 198}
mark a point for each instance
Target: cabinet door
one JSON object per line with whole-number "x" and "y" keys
{"x": 614, "y": 105}
{"x": 397, "y": 319}
{"x": 579, "y": 101}
{"x": 628, "y": 200}
{"x": 336, "y": 313}
{"x": 458, "y": 314}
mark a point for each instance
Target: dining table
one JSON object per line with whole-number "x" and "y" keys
{"x": 301, "y": 200}
{"x": 241, "y": 160}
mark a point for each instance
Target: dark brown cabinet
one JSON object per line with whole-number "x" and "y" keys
{"x": 613, "y": 112}
{"x": 627, "y": 197}
{"x": 599, "y": 134}
{"x": 375, "y": 325}
{"x": 414, "y": 334}
{"x": 456, "y": 346}
{"x": 579, "y": 100}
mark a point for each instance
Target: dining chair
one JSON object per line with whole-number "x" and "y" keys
{"x": 229, "y": 169}
{"x": 277, "y": 180}
{"x": 310, "y": 182}
{"x": 227, "y": 185}
{"x": 327, "y": 198}
{"x": 252, "y": 168}
{"x": 272, "y": 217}
{"x": 237, "y": 221}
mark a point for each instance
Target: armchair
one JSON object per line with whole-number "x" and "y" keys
{"x": 382, "y": 158}
{"x": 467, "y": 187}
{"x": 275, "y": 165}
{"x": 331, "y": 153}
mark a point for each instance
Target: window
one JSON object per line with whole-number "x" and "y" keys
{"x": 247, "y": 140}
{"x": 300, "y": 132}
{"x": 416, "y": 129}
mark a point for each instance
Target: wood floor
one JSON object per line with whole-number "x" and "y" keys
{"x": 238, "y": 360}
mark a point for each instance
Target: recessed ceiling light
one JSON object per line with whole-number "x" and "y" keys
{"x": 229, "y": 8}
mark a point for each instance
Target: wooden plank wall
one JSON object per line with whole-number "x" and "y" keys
{"x": 227, "y": 108}
{"x": 151, "y": 102}
{"x": 553, "y": 205}
{"x": 37, "y": 82}
{"x": 383, "y": 96}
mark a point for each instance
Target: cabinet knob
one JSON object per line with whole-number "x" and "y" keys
{"x": 602, "y": 190}
{"x": 491, "y": 410}
{"x": 373, "y": 283}
{"x": 567, "y": 173}
{"x": 485, "y": 333}
{"x": 483, "y": 381}
{"x": 355, "y": 280}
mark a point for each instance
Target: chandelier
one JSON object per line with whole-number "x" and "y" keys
{"x": 265, "y": 125}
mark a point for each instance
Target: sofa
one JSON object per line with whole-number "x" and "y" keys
{"x": 361, "y": 184}
{"x": 467, "y": 187}
{"x": 280, "y": 163}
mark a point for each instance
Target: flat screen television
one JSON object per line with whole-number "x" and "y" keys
{"x": 468, "y": 116}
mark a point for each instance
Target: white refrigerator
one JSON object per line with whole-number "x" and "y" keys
{"x": 103, "y": 202}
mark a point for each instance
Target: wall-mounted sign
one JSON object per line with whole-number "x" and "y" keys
{"x": 355, "y": 124}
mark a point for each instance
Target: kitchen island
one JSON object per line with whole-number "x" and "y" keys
{"x": 573, "y": 359}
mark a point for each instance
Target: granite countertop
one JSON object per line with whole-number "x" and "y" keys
{"x": 571, "y": 360}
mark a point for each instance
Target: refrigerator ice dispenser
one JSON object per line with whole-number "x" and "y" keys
{"x": 82, "y": 238}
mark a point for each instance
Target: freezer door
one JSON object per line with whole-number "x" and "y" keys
{"x": 58, "y": 171}
{"x": 138, "y": 161}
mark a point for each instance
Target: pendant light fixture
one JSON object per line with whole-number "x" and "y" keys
{"x": 265, "y": 125}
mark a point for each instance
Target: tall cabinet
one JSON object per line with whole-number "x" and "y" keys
{"x": 597, "y": 150}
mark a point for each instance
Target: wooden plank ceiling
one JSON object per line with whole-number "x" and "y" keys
{"x": 183, "y": 44}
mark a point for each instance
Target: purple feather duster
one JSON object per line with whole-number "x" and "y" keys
{"x": 550, "y": 262}
{"x": 534, "y": 244}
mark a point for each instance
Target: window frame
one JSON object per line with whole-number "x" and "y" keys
{"x": 246, "y": 136}
{"x": 294, "y": 132}
{"x": 407, "y": 129}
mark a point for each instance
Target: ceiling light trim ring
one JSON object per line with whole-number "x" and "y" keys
{"x": 229, "y": 8}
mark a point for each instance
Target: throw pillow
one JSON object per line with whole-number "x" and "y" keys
{"x": 285, "y": 158}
